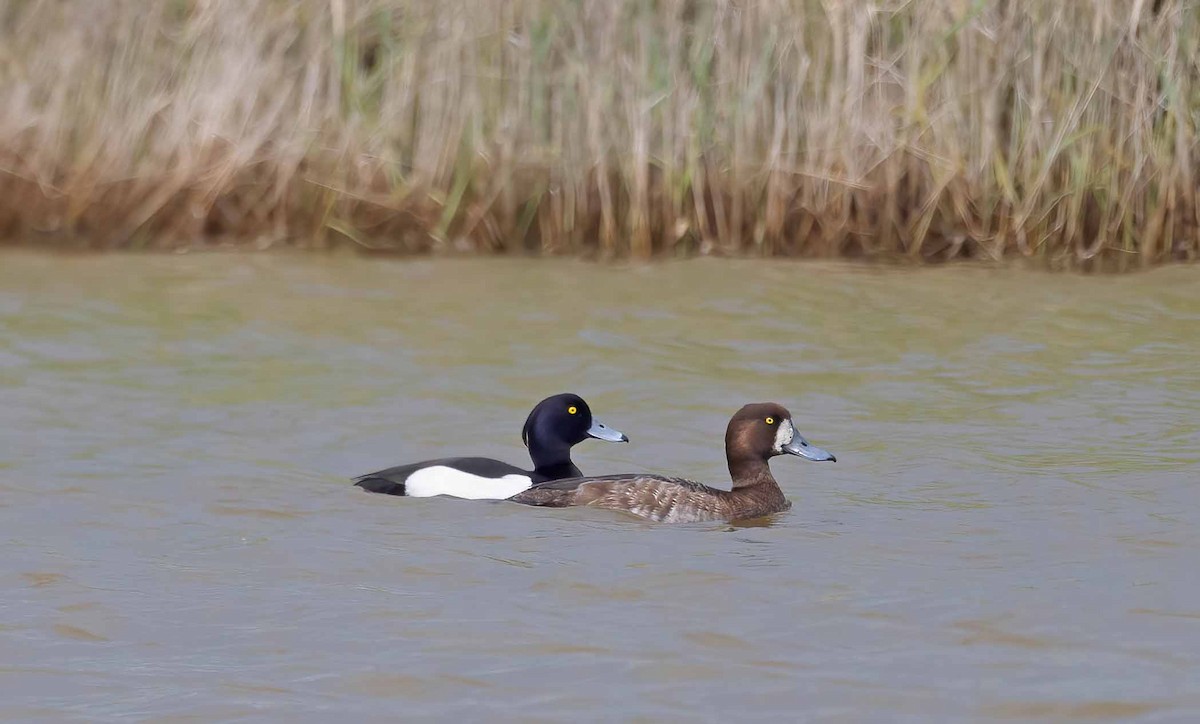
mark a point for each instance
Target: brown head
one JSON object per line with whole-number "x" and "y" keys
{"x": 757, "y": 433}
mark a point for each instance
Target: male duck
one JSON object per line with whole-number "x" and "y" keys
{"x": 756, "y": 433}
{"x": 554, "y": 425}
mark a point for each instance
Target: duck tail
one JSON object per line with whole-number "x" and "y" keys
{"x": 380, "y": 485}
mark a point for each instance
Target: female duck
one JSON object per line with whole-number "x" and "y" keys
{"x": 756, "y": 433}
{"x": 552, "y": 428}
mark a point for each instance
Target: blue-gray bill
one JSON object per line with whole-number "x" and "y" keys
{"x": 600, "y": 431}
{"x": 799, "y": 446}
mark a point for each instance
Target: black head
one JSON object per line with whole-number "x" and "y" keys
{"x": 762, "y": 430}
{"x": 559, "y": 422}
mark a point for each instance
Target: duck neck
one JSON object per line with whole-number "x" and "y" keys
{"x": 755, "y": 491}
{"x": 553, "y": 462}
{"x": 751, "y": 472}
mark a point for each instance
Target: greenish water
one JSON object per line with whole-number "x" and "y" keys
{"x": 1011, "y": 531}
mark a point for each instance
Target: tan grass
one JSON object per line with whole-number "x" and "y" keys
{"x": 932, "y": 129}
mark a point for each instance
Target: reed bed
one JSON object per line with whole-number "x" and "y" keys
{"x": 940, "y": 129}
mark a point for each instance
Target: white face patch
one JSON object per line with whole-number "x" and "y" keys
{"x": 442, "y": 480}
{"x": 784, "y": 435}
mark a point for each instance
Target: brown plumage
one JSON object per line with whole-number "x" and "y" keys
{"x": 755, "y": 434}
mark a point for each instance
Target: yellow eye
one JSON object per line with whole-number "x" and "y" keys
{"x": 572, "y": 409}
{"x": 770, "y": 421}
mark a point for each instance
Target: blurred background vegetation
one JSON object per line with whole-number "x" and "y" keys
{"x": 1063, "y": 131}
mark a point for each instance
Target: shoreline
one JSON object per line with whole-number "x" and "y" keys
{"x": 882, "y": 263}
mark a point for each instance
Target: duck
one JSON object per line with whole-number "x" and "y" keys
{"x": 756, "y": 433}
{"x": 553, "y": 427}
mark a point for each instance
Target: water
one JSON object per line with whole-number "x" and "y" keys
{"x": 1011, "y": 531}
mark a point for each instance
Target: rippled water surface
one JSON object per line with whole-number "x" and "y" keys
{"x": 1011, "y": 531}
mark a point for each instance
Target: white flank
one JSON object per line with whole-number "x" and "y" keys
{"x": 442, "y": 480}
{"x": 784, "y": 435}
